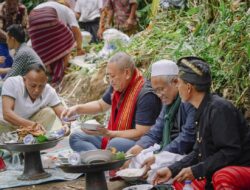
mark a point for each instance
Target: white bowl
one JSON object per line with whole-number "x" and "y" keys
{"x": 139, "y": 187}
{"x": 96, "y": 156}
{"x": 131, "y": 174}
{"x": 91, "y": 125}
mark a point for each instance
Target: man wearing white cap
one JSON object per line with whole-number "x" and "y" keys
{"x": 174, "y": 128}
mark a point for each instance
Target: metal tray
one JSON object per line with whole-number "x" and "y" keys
{"x": 30, "y": 147}
{"x": 88, "y": 168}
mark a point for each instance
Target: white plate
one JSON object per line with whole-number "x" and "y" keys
{"x": 139, "y": 187}
{"x": 131, "y": 174}
{"x": 91, "y": 126}
{"x": 94, "y": 156}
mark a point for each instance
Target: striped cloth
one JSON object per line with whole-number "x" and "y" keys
{"x": 51, "y": 39}
{"x": 123, "y": 106}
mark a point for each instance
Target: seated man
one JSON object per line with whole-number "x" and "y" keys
{"x": 27, "y": 101}
{"x": 24, "y": 55}
{"x": 134, "y": 109}
{"x": 174, "y": 128}
{"x": 222, "y": 150}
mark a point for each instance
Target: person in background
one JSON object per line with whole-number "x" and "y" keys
{"x": 24, "y": 55}
{"x": 88, "y": 14}
{"x": 122, "y": 14}
{"x": 6, "y": 60}
{"x": 13, "y": 12}
{"x": 221, "y": 156}
{"x": 28, "y": 101}
{"x": 53, "y": 30}
{"x": 134, "y": 109}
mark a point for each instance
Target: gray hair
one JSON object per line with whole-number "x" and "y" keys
{"x": 168, "y": 78}
{"x": 123, "y": 61}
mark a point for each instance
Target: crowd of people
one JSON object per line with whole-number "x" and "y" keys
{"x": 172, "y": 123}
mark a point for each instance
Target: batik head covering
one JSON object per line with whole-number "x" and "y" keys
{"x": 194, "y": 70}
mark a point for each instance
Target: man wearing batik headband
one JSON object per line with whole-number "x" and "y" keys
{"x": 221, "y": 156}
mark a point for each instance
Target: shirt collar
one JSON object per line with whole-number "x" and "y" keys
{"x": 202, "y": 106}
{"x": 22, "y": 44}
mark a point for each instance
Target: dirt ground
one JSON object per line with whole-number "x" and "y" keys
{"x": 78, "y": 184}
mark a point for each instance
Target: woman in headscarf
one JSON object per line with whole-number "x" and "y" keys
{"x": 53, "y": 29}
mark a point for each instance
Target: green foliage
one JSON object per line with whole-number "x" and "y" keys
{"x": 224, "y": 43}
{"x": 144, "y": 12}
{"x": 31, "y": 4}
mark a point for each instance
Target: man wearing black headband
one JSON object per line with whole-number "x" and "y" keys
{"x": 221, "y": 156}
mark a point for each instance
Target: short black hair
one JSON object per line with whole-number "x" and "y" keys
{"x": 36, "y": 67}
{"x": 17, "y": 32}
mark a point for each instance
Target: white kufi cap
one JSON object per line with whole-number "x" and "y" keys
{"x": 164, "y": 67}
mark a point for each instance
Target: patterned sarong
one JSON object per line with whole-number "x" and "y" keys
{"x": 51, "y": 39}
{"x": 123, "y": 106}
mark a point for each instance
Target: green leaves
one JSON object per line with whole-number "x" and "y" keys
{"x": 224, "y": 43}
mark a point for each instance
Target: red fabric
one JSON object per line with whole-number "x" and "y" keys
{"x": 51, "y": 39}
{"x": 232, "y": 178}
{"x": 197, "y": 185}
{"x": 125, "y": 113}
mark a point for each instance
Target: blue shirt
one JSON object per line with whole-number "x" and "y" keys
{"x": 182, "y": 134}
{"x": 4, "y": 51}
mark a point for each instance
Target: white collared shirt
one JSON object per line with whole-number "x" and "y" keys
{"x": 88, "y": 9}
{"x": 65, "y": 14}
{"x": 24, "y": 107}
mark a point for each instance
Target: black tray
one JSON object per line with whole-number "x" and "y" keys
{"x": 87, "y": 168}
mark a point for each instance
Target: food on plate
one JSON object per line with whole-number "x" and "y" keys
{"x": 119, "y": 156}
{"x": 34, "y": 130}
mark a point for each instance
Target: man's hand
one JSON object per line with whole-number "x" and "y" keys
{"x": 135, "y": 150}
{"x": 100, "y": 33}
{"x": 66, "y": 129}
{"x": 80, "y": 52}
{"x": 2, "y": 59}
{"x": 67, "y": 114}
{"x": 147, "y": 164}
{"x": 129, "y": 23}
{"x": 184, "y": 174}
{"x": 100, "y": 131}
{"x": 162, "y": 175}
{"x": 125, "y": 165}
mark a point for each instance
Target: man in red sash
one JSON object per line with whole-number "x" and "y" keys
{"x": 134, "y": 109}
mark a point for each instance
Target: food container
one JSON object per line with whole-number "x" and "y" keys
{"x": 74, "y": 158}
{"x": 29, "y": 139}
{"x": 86, "y": 38}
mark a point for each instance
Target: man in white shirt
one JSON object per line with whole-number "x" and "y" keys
{"x": 88, "y": 14}
{"x": 29, "y": 100}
